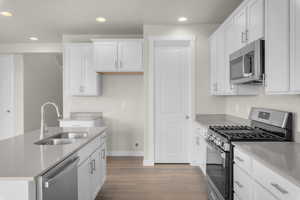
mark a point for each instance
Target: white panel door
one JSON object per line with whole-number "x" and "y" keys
{"x": 7, "y": 125}
{"x": 131, "y": 55}
{"x": 171, "y": 66}
{"x": 255, "y": 25}
{"x": 106, "y": 56}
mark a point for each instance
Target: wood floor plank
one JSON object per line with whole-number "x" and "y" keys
{"x": 127, "y": 179}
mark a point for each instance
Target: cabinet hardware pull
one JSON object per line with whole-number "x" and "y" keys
{"x": 246, "y": 34}
{"x": 238, "y": 184}
{"x": 94, "y": 165}
{"x": 279, "y": 188}
{"x": 91, "y": 167}
{"x": 239, "y": 159}
{"x": 242, "y": 37}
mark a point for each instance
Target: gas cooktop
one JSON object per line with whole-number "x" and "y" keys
{"x": 241, "y": 133}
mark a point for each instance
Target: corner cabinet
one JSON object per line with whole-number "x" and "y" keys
{"x": 80, "y": 76}
{"x": 122, "y": 55}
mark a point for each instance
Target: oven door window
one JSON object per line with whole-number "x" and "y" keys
{"x": 217, "y": 169}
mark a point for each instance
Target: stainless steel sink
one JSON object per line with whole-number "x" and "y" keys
{"x": 54, "y": 141}
{"x": 62, "y": 138}
{"x": 70, "y": 135}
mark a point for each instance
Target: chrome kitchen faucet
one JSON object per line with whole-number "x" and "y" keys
{"x": 43, "y": 124}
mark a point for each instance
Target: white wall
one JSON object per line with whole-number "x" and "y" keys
{"x": 122, "y": 104}
{"x": 204, "y": 103}
{"x": 240, "y": 106}
{"x": 42, "y": 82}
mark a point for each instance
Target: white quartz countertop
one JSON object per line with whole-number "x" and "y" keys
{"x": 21, "y": 159}
{"x": 281, "y": 157}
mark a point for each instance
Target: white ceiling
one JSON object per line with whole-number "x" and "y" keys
{"x": 49, "y": 19}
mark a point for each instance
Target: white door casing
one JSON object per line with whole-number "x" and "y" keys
{"x": 172, "y": 100}
{"x": 7, "y": 108}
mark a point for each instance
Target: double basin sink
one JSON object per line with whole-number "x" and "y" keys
{"x": 62, "y": 138}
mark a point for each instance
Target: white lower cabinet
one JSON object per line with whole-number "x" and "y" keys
{"x": 84, "y": 171}
{"x": 92, "y": 174}
{"x": 255, "y": 181}
{"x": 199, "y": 148}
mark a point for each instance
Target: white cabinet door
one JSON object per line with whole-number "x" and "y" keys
{"x": 92, "y": 80}
{"x": 106, "y": 56}
{"x": 220, "y": 68}
{"x": 96, "y": 175}
{"x": 240, "y": 29}
{"x": 229, "y": 38}
{"x": 213, "y": 64}
{"x": 255, "y": 22}
{"x": 84, "y": 180}
{"x": 130, "y": 55}
{"x": 102, "y": 156}
{"x": 277, "y": 46}
{"x": 260, "y": 193}
{"x": 80, "y": 72}
{"x": 74, "y": 61}
{"x": 295, "y": 45}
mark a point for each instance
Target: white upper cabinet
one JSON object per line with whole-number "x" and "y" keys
{"x": 80, "y": 75}
{"x": 122, "y": 55}
{"x": 249, "y": 23}
{"x": 282, "y": 47}
{"x": 241, "y": 29}
{"x": 295, "y": 46}
{"x": 131, "y": 55}
{"x": 255, "y": 20}
{"x": 277, "y": 58}
{"x": 106, "y": 56}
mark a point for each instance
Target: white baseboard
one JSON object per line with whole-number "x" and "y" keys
{"x": 126, "y": 153}
{"x": 148, "y": 162}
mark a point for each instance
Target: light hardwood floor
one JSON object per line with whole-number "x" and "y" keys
{"x": 127, "y": 179}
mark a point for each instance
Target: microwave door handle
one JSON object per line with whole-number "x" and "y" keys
{"x": 244, "y": 73}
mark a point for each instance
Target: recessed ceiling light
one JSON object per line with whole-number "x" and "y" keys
{"x": 6, "y": 13}
{"x": 100, "y": 19}
{"x": 33, "y": 38}
{"x": 182, "y": 19}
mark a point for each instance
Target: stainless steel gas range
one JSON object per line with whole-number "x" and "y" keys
{"x": 266, "y": 125}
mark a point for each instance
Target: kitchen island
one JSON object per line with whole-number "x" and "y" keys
{"x": 23, "y": 161}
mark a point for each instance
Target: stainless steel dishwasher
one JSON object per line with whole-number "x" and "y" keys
{"x": 60, "y": 183}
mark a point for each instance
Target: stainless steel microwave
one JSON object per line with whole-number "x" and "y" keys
{"x": 247, "y": 64}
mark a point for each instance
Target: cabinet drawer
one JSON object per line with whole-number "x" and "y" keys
{"x": 279, "y": 186}
{"x": 242, "y": 160}
{"x": 242, "y": 184}
{"x": 89, "y": 149}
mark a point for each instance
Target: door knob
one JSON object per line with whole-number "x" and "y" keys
{"x": 187, "y": 117}
{"x": 8, "y": 111}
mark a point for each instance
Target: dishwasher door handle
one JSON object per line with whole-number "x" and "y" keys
{"x": 65, "y": 169}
